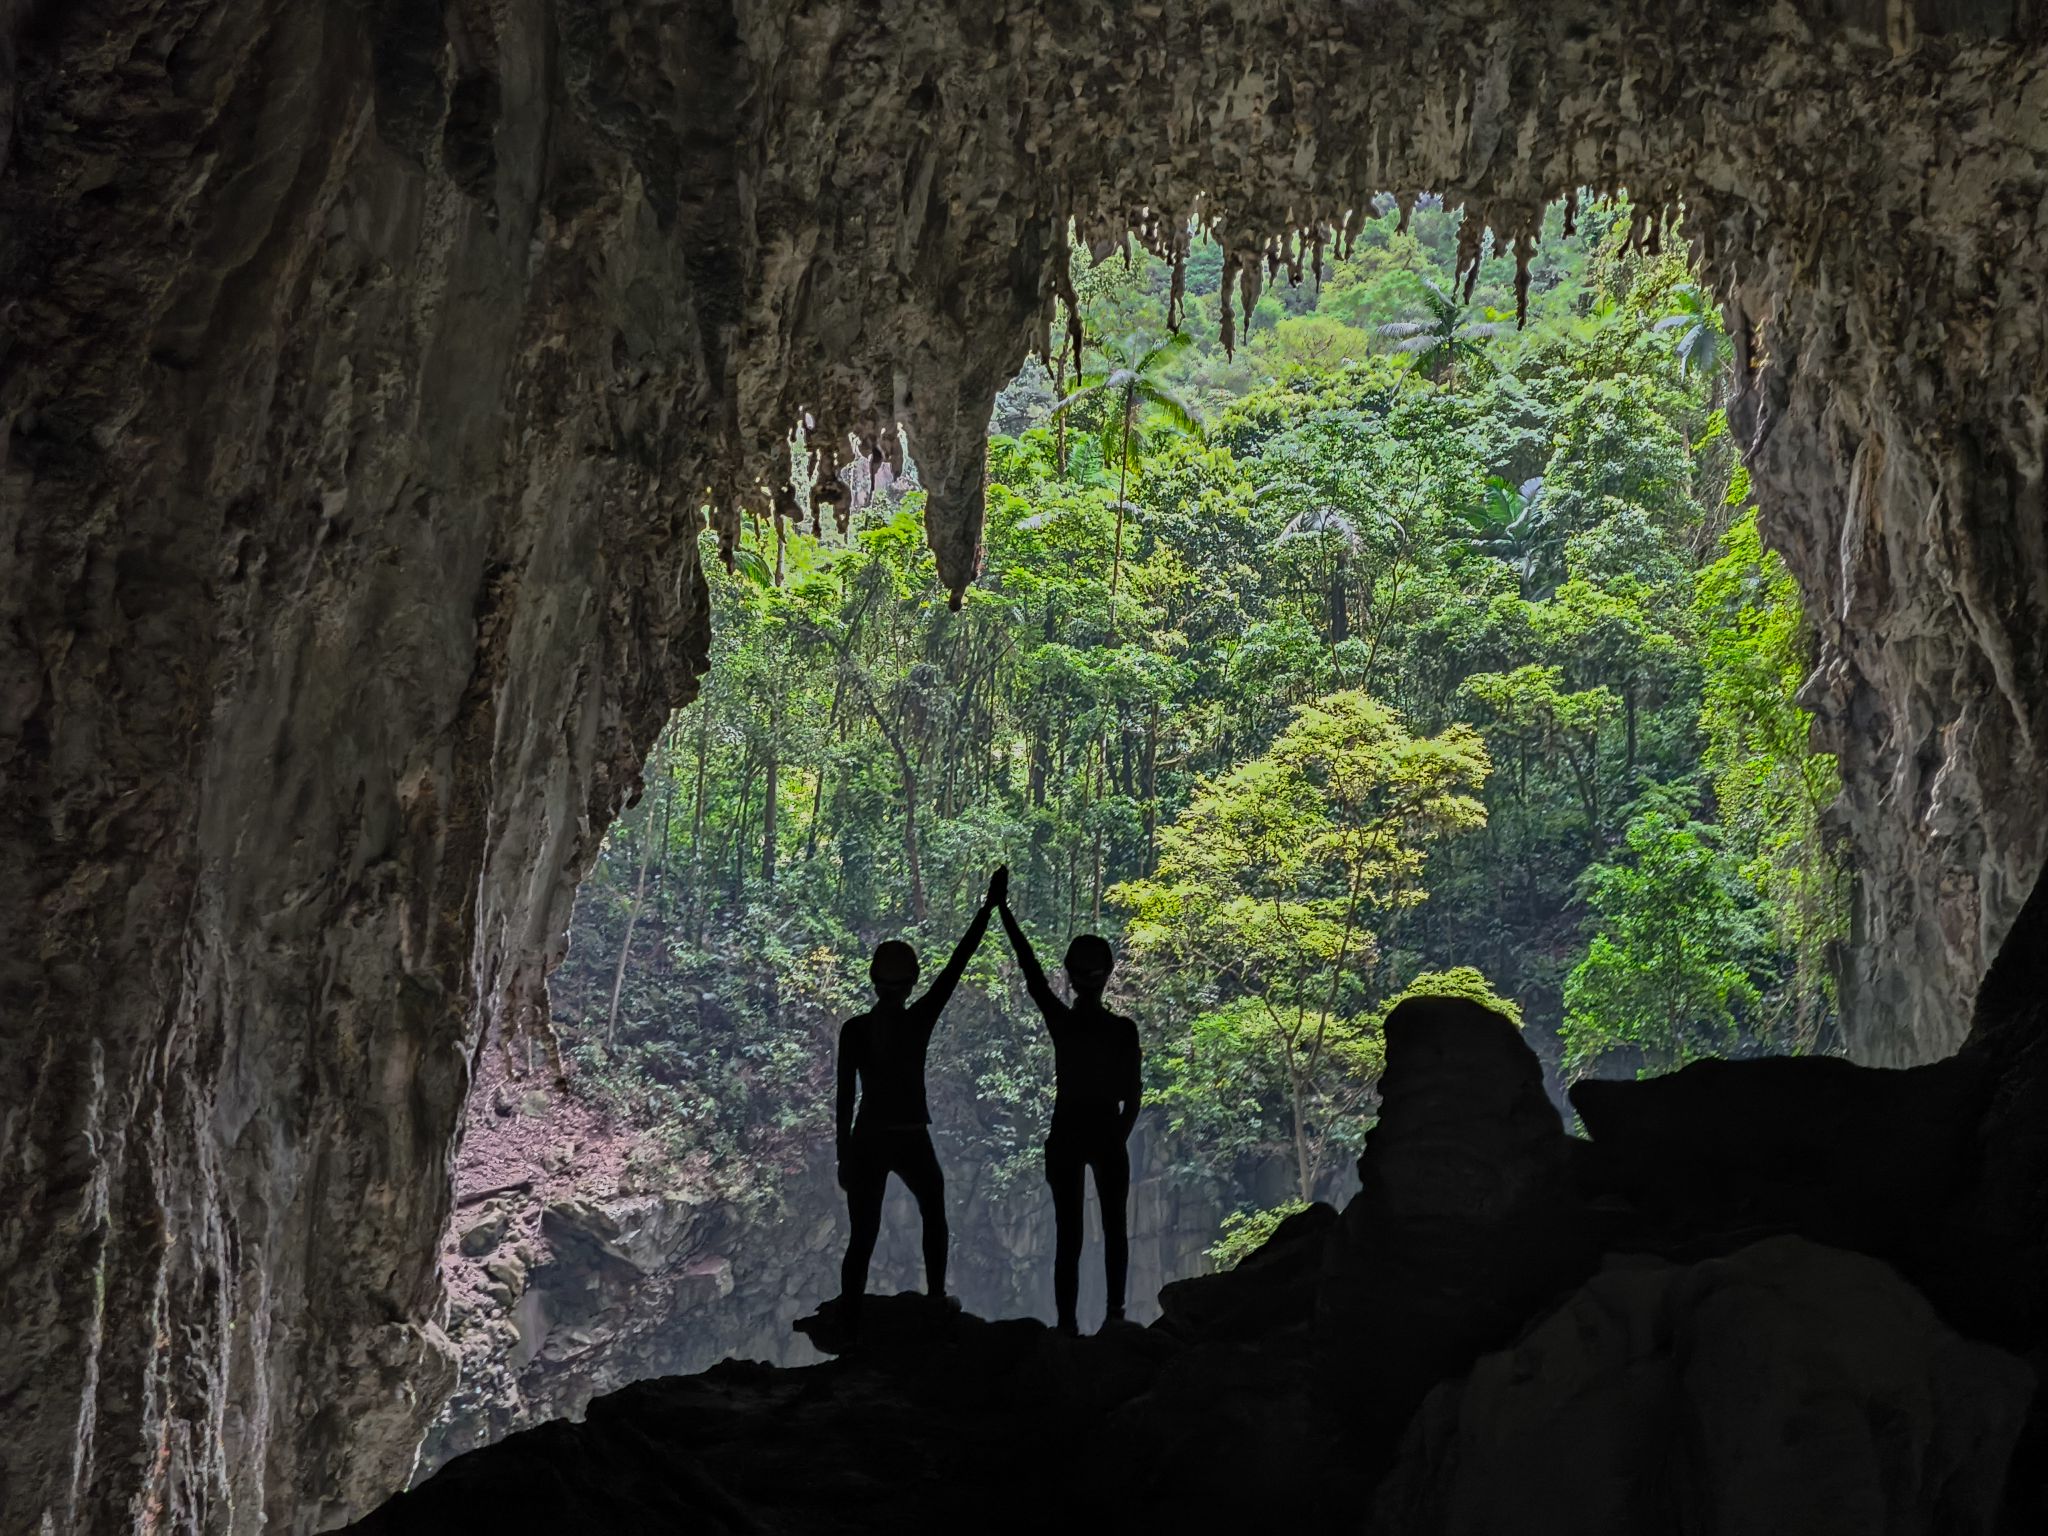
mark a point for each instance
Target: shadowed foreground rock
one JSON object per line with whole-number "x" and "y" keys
{"x": 1789, "y": 1387}
{"x": 938, "y": 1423}
{"x": 1721, "y": 1373}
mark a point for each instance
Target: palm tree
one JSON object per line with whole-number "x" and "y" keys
{"x": 1700, "y": 342}
{"x": 1444, "y": 341}
{"x": 1514, "y": 524}
{"x": 1342, "y": 535}
{"x": 1129, "y": 382}
{"x": 1328, "y": 526}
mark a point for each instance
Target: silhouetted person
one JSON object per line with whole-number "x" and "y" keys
{"x": 881, "y": 1054}
{"x": 1098, "y": 1090}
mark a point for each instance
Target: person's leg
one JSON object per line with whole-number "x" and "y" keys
{"x": 866, "y": 1178}
{"x": 1112, "y": 1165}
{"x": 1067, "y": 1172}
{"x": 917, "y": 1165}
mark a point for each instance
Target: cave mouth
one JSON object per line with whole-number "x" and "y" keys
{"x": 357, "y": 355}
{"x": 1395, "y": 578}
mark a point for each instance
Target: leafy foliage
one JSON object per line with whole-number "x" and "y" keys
{"x": 1398, "y": 651}
{"x": 1244, "y": 1233}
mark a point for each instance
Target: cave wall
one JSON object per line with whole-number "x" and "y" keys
{"x": 365, "y": 365}
{"x": 346, "y": 583}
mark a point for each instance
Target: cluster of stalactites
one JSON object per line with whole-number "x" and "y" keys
{"x": 811, "y": 470}
{"x": 849, "y": 446}
{"x": 1250, "y": 263}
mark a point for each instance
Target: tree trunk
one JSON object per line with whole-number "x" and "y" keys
{"x": 1340, "y": 616}
{"x": 1296, "y": 1092}
{"x": 1123, "y": 478}
{"x": 1628, "y": 713}
{"x": 696, "y": 909}
{"x": 768, "y": 814}
{"x": 1148, "y": 786}
{"x": 668, "y": 803}
{"x": 633, "y": 913}
{"x": 1059, "y": 421}
{"x": 739, "y": 836}
{"x": 910, "y": 859}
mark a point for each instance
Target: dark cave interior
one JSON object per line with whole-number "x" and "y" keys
{"x": 363, "y": 364}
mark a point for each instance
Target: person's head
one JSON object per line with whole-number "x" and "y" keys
{"x": 893, "y": 970}
{"x": 1089, "y": 962}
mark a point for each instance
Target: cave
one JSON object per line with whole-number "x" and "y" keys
{"x": 369, "y": 373}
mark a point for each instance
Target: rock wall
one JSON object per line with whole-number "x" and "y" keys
{"x": 366, "y": 365}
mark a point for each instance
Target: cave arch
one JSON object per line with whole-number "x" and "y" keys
{"x": 362, "y": 375}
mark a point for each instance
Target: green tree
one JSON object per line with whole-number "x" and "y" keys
{"x": 1267, "y": 883}
{"x": 1694, "y": 326}
{"x": 1139, "y": 405}
{"x": 1447, "y": 339}
{"x": 1676, "y": 932}
{"x": 1771, "y": 790}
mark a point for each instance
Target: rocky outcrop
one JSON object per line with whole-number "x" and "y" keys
{"x": 569, "y": 1296}
{"x": 1791, "y": 1387}
{"x": 940, "y": 1423}
{"x": 1467, "y": 1219}
{"x": 1779, "y": 1384}
{"x": 367, "y": 368}
{"x": 1787, "y": 1387}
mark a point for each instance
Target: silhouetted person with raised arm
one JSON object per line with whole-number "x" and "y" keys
{"x": 881, "y": 1059}
{"x": 1098, "y": 1090}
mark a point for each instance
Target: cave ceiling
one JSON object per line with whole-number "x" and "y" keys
{"x": 365, "y": 367}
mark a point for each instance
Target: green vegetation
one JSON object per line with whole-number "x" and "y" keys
{"x": 1402, "y": 650}
{"x": 1244, "y": 1233}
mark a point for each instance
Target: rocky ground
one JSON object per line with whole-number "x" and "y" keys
{"x": 1757, "y": 1300}
{"x": 574, "y": 1266}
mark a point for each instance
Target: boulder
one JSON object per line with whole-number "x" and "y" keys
{"x": 1466, "y": 1222}
{"x": 484, "y": 1233}
{"x": 1788, "y": 1388}
{"x": 510, "y": 1273}
{"x": 1273, "y": 1288}
{"x": 1714, "y": 1156}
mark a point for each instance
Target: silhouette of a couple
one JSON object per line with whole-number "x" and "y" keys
{"x": 1097, "y": 1096}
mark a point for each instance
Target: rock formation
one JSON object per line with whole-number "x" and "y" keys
{"x": 579, "y": 1281}
{"x": 1787, "y": 1387}
{"x": 368, "y": 366}
{"x": 1641, "y": 1366}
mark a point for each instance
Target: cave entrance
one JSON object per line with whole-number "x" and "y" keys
{"x": 1398, "y": 649}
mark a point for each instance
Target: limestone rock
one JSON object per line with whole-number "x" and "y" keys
{"x": 1789, "y": 1387}
{"x": 940, "y": 1422}
{"x": 626, "y": 1289}
{"x": 367, "y": 367}
{"x": 1467, "y": 1217}
{"x": 510, "y": 1273}
{"x": 1723, "y": 1152}
{"x": 483, "y": 1234}
{"x": 1271, "y": 1289}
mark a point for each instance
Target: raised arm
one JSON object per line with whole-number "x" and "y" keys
{"x": 933, "y": 1002}
{"x": 1132, "y": 1093}
{"x": 1027, "y": 961}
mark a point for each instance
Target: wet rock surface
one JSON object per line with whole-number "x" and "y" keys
{"x": 368, "y": 366}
